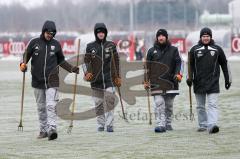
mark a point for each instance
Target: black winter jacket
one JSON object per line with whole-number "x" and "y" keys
{"x": 99, "y": 60}
{"x": 45, "y": 57}
{"x": 205, "y": 62}
{"x": 163, "y": 63}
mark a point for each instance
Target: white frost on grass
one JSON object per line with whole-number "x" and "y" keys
{"x": 130, "y": 140}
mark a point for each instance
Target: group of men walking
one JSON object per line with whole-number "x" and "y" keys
{"x": 204, "y": 64}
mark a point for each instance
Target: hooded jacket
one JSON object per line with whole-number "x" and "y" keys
{"x": 205, "y": 62}
{"x": 102, "y": 60}
{"x": 45, "y": 57}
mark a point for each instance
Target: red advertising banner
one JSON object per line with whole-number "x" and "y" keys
{"x": 129, "y": 45}
{"x": 18, "y": 47}
{"x": 180, "y": 43}
{"x": 235, "y": 45}
{"x": 68, "y": 46}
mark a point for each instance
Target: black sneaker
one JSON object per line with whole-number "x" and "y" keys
{"x": 160, "y": 129}
{"x": 52, "y": 135}
{"x": 169, "y": 127}
{"x": 101, "y": 128}
{"x": 214, "y": 129}
{"x": 110, "y": 129}
{"x": 201, "y": 129}
{"x": 42, "y": 135}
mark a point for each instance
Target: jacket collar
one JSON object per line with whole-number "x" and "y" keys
{"x": 42, "y": 37}
{"x": 212, "y": 42}
{"x": 162, "y": 47}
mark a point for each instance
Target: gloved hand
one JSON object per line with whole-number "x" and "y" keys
{"x": 75, "y": 69}
{"x": 146, "y": 85}
{"x": 189, "y": 82}
{"x": 177, "y": 78}
{"x": 88, "y": 76}
{"x": 117, "y": 82}
{"x": 23, "y": 67}
{"x": 227, "y": 84}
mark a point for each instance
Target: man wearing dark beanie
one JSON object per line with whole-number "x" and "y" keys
{"x": 206, "y": 31}
{"x": 162, "y": 32}
{"x": 166, "y": 55}
{"x": 205, "y": 60}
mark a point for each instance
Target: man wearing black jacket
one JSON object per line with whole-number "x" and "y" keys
{"x": 163, "y": 84}
{"x": 205, "y": 60}
{"x": 102, "y": 70}
{"x": 46, "y": 54}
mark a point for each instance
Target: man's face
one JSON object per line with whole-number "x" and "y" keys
{"x": 205, "y": 39}
{"x": 161, "y": 39}
{"x": 48, "y": 36}
{"x": 101, "y": 35}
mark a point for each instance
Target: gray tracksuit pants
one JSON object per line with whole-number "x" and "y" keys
{"x": 46, "y": 104}
{"x": 207, "y": 119}
{"x": 104, "y": 101}
{"x": 163, "y": 109}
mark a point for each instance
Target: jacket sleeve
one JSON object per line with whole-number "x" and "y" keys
{"x": 222, "y": 60}
{"x": 117, "y": 61}
{"x": 87, "y": 61}
{"x": 61, "y": 60}
{"x": 178, "y": 63}
{"x": 147, "y": 65}
{"x": 28, "y": 52}
{"x": 190, "y": 64}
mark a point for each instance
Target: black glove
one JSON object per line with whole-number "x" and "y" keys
{"x": 75, "y": 69}
{"x": 227, "y": 84}
{"x": 189, "y": 82}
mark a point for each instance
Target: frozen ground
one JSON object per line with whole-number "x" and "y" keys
{"x": 130, "y": 140}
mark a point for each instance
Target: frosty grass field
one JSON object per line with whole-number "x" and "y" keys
{"x": 130, "y": 140}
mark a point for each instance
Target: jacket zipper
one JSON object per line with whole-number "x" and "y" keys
{"x": 102, "y": 67}
{"x": 195, "y": 59}
{"x": 45, "y": 80}
{"x": 215, "y": 66}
